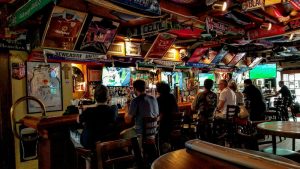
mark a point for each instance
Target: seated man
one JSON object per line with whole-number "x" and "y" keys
{"x": 99, "y": 122}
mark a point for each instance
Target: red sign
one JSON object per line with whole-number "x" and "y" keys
{"x": 160, "y": 46}
{"x": 198, "y": 53}
{"x": 221, "y": 27}
{"x": 261, "y": 33}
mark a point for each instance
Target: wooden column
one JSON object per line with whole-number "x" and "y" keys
{"x": 7, "y": 149}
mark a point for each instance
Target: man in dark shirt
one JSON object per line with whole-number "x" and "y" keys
{"x": 285, "y": 93}
{"x": 99, "y": 121}
{"x": 256, "y": 102}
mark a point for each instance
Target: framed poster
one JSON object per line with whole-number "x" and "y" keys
{"x": 43, "y": 81}
{"x": 63, "y": 28}
{"x": 99, "y": 36}
{"x": 160, "y": 46}
{"x": 133, "y": 49}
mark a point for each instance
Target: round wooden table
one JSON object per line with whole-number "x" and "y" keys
{"x": 280, "y": 128}
{"x": 189, "y": 159}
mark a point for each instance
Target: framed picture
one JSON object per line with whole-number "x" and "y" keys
{"x": 99, "y": 36}
{"x": 94, "y": 75}
{"x": 63, "y": 28}
{"x": 43, "y": 81}
{"x": 133, "y": 49}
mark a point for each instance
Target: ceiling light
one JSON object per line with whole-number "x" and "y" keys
{"x": 266, "y": 26}
{"x": 291, "y": 36}
{"x": 220, "y": 6}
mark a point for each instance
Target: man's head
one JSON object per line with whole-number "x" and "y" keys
{"x": 281, "y": 83}
{"x": 223, "y": 84}
{"x": 163, "y": 88}
{"x": 208, "y": 84}
{"x": 247, "y": 82}
{"x": 233, "y": 86}
{"x": 139, "y": 86}
{"x": 101, "y": 94}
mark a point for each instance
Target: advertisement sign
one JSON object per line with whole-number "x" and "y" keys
{"x": 72, "y": 56}
{"x": 236, "y": 59}
{"x": 147, "y": 7}
{"x": 27, "y": 10}
{"x": 133, "y": 49}
{"x": 221, "y": 27}
{"x": 160, "y": 46}
{"x": 99, "y": 35}
{"x": 219, "y": 56}
{"x": 196, "y": 56}
{"x": 252, "y": 4}
{"x": 14, "y": 40}
{"x": 63, "y": 28}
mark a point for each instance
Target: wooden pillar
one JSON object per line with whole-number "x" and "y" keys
{"x": 7, "y": 149}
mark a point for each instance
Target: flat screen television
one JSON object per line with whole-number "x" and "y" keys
{"x": 115, "y": 76}
{"x": 175, "y": 76}
{"x": 263, "y": 71}
{"x": 204, "y": 76}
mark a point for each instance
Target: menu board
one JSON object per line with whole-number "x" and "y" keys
{"x": 99, "y": 35}
{"x": 63, "y": 28}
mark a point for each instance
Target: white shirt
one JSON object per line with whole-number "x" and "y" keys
{"x": 229, "y": 97}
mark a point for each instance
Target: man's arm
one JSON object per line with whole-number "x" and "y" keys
{"x": 221, "y": 105}
{"x": 130, "y": 111}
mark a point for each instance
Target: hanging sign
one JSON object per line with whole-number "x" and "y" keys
{"x": 160, "y": 46}
{"x": 14, "y": 45}
{"x": 197, "y": 65}
{"x": 72, "y": 56}
{"x": 291, "y": 43}
{"x": 219, "y": 56}
{"x": 27, "y": 10}
{"x": 147, "y": 7}
{"x": 252, "y": 4}
{"x": 261, "y": 33}
{"x": 294, "y": 24}
{"x": 246, "y": 48}
{"x": 221, "y": 27}
{"x": 198, "y": 53}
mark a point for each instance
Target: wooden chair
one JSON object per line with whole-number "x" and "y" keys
{"x": 119, "y": 154}
{"x": 273, "y": 113}
{"x": 150, "y": 138}
{"x": 176, "y": 136}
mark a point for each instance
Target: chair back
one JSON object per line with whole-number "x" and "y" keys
{"x": 150, "y": 128}
{"x": 231, "y": 112}
{"x": 115, "y": 152}
{"x": 178, "y": 119}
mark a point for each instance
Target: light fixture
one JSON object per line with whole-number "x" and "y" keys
{"x": 220, "y": 6}
{"x": 266, "y": 26}
{"x": 291, "y": 36}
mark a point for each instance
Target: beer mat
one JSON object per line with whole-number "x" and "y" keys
{"x": 236, "y": 156}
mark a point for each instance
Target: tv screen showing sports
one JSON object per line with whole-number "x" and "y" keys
{"x": 175, "y": 77}
{"x": 263, "y": 71}
{"x": 203, "y": 76}
{"x": 116, "y": 76}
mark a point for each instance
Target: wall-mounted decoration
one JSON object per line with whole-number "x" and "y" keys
{"x": 260, "y": 33}
{"x": 44, "y": 82}
{"x": 133, "y": 49}
{"x": 117, "y": 49}
{"x": 198, "y": 53}
{"x": 160, "y": 46}
{"x": 236, "y": 59}
{"x": 221, "y": 27}
{"x": 18, "y": 70}
{"x": 219, "y": 56}
{"x": 14, "y": 40}
{"x": 94, "y": 75}
{"x": 63, "y": 28}
{"x": 99, "y": 35}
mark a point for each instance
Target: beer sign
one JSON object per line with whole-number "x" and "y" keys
{"x": 252, "y": 4}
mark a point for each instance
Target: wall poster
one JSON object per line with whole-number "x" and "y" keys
{"x": 99, "y": 36}
{"x": 63, "y": 28}
{"x": 43, "y": 81}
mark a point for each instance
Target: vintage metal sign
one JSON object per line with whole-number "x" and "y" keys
{"x": 14, "y": 45}
{"x": 252, "y": 4}
{"x": 27, "y": 10}
{"x": 72, "y": 56}
{"x": 219, "y": 56}
{"x": 160, "y": 46}
{"x": 221, "y": 27}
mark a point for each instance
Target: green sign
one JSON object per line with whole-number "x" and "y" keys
{"x": 27, "y": 10}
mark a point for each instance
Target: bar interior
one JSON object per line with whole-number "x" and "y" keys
{"x": 182, "y": 84}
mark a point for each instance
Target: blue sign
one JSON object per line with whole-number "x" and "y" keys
{"x": 147, "y": 7}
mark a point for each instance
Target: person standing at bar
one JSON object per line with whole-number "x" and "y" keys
{"x": 205, "y": 103}
{"x": 256, "y": 105}
{"x": 167, "y": 108}
{"x": 285, "y": 93}
{"x": 143, "y": 105}
{"x": 227, "y": 97}
{"x": 239, "y": 95}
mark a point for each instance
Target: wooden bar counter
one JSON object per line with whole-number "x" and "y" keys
{"x": 55, "y": 149}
